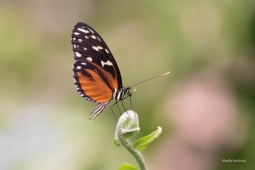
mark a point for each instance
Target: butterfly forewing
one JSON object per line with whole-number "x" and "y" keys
{"x": 89, "y": 45}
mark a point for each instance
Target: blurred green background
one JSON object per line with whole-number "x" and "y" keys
{"x": 205, "y": 106}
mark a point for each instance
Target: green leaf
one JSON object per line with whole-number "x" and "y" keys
{"x": 127, "y": 167}
{"x": 143, "y": 142}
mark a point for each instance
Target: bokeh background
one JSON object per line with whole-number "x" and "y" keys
{"x": 205, "y": 106}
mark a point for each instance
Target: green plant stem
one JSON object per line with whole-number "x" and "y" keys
{"x": 136, "y": 154}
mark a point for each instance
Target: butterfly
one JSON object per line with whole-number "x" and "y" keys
{"x": 96, "y": 74}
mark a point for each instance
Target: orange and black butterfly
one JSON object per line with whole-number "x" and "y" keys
{"x": 96, "y": 73}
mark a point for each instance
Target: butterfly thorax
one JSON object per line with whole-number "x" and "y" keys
{"x": 120, "y": 94}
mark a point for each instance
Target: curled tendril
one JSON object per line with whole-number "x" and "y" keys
{"x": 127, "y": 126}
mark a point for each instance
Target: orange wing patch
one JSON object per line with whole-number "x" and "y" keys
{"x": 94, "y": 87}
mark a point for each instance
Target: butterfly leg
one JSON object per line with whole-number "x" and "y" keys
{"x": 114, "y": 114}
{"x": 116, "y": 103}
{"x": 130, "y": 102}
{"x": 123, "y": 106}
{"x": 129, "y": 95}
{"x": 118, "y": 108}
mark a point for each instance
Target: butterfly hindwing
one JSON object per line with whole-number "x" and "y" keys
{"x": 92, "y": 82}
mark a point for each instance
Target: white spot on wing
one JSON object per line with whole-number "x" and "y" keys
{"x": 93, "y": 36}
{"x": 106, "y": 50}
{"x": 99, "y": 39}
{"x": 99, "y": 47}
{"x": 84, "y": 48}
{"x": 86, "y": 37}
{"x": 77, "y": 87}
{"x": 83, "y": 30}
{"x": 106, "y": 63}
{"x": 95, "y": 48}
{"x": 76, "y": 33}
{"x": 78, "y": 67}
{"x": 80, "y": 40}
{"x": 77, "y": 54}
{"x": 83, "y": 63}
{"x": 89, "y": 58}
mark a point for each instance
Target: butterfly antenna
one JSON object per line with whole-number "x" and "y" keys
{"x": 151, "y": 78}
